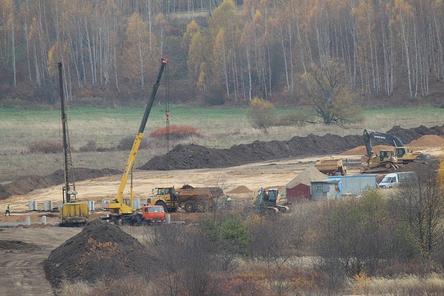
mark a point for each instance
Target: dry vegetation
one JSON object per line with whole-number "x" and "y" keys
{"x": 220, "y": 127}
{"x": 367, "y": 246}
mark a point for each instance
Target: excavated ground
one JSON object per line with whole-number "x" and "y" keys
{"x": 196, "y": 156}
{"x": 100, "y": 251}
{"x": 26, "y": 184}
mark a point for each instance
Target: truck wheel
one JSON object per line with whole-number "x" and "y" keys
{"x": 163, "y": 204}
{"x": 200, "y": 207}
{"x": 189, "y": 207}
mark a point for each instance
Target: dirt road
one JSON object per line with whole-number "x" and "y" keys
{"x": 22, "y": 270}
{"x": 270, "y": 173}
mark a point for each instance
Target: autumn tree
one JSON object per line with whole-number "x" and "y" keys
{"x": 332, "y": 98}
{"x": 136, "y": 51}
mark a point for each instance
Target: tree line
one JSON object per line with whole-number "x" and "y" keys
{"x": 220, "y": 51}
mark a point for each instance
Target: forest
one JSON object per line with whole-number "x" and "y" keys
{"x": 220, "y": 52}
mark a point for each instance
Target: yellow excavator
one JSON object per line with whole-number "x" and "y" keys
{"x": 403, "y": 154}
{"x": 122, "y": 209}
{"x": 72, "y": 212}
{"x": 386, "y": 160}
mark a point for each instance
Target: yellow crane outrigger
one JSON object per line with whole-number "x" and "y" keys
{"x": 121, "y": 207}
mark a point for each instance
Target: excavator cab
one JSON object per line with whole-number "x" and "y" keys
{"x": 266, "y": 201}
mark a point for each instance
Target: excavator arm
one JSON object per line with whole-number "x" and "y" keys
{"x": 369, "y": 136}
{"x": 118, "y": 206}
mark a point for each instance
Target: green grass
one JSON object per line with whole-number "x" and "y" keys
{"x": 220, "y": 127}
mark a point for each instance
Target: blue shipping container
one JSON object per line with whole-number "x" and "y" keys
{"x": 355, "y": 184}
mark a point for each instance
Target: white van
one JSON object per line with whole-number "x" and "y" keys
{"x": 394, "y": 179}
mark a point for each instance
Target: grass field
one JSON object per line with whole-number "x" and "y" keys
{"x": 220, "y": 127}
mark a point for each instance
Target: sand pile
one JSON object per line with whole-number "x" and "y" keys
{"x": 26, "y": 184}
{"x": 196, "y": 156}
{"x": 307, "y": 176}
{"x": 428, "y": 141}
{"x": 101, "y": 250}
{"x": 240, "y": 189}
{"x": 360, "y": 150}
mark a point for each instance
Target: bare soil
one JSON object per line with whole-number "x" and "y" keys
{"x": 100, "y": 251}
{"x": 26, "y": 184}
{"x": 22, "y": 268}
{"x": 195, "y": 156}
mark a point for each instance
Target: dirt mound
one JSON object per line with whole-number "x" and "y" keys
{"x": 240, "y": 189}
{"x": 196, "y": 156}
{"x": 15, "y": 245}
{"x": 408, "y": 135}
{"x": 360, "y": 150}
{"x": 428, "y": 141}
{"x": 26, "y": 184}
{"x": 101, "y": 250}
{"x": 3, "y": 192}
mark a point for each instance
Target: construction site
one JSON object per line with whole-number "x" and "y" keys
{"x": 88, "y": 226}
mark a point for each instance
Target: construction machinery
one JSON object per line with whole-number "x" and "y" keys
{"x": 266, "y": 202}
{"x": 191, "y": 199}
{"x": 72, "y": 212}
{"x": 386, "y": 160}
{"x": 403, "y": 154}
{"x": 122, "y": 208}
{"x": 331, "y": 166}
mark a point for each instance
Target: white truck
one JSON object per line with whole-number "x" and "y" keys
{"x": 395, "y": 179}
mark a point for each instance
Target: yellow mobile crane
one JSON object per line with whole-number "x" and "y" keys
{"x": 122, "y": 209}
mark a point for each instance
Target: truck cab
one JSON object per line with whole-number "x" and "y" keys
{"x": 165, "y": 197}
{"x": 153, "y": 214}
{"x": 395, "y": 179}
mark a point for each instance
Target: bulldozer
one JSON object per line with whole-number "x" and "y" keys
{"x": 266, "y": 202}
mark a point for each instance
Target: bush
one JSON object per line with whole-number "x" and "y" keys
{"x": 126, "y": 143}
{"x": 231, "y": 234}
{"x": 261, "y": 114}
{"x": 45, "y": 146}
{"x": 176, "y": 132}
{"x": 89, "y": 147}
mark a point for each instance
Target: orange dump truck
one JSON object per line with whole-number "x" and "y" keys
{"x": 331, "y": 166}
{"x": 198, "y": 199}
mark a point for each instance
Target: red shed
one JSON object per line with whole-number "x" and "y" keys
{"x": 299, "y": 188}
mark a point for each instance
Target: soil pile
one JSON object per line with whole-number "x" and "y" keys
{"x": 428, "y": 141}
{"x": 101, "y": 250}
{"x": 240, "y": 189}
{"x": 360, "y": 150}
{"x": 15, "y": 245}
{"x": 26, "y": 184}
{"x": 196, "y": 156}
{"x": 3, "y": 192}
{"x": 408, "y": 135}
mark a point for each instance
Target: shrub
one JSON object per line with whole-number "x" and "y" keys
{"x": 176, "y": 132}
{"x": 126, "y": 143}
{"x": 89, "y": 146}
{"x": 45, "y": 146}
{"x": 261, "y": 114}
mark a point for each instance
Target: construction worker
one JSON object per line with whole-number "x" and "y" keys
{"x": 8, "y": 211}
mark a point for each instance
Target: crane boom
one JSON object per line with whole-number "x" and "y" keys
{"x": 119, "y": 205}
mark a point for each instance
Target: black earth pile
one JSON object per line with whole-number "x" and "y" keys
{"x": 26, "y": 184}
{"x": 101, "y": 251}
{"x": 15, "y": 245}
{"x": 196, "y": 156}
